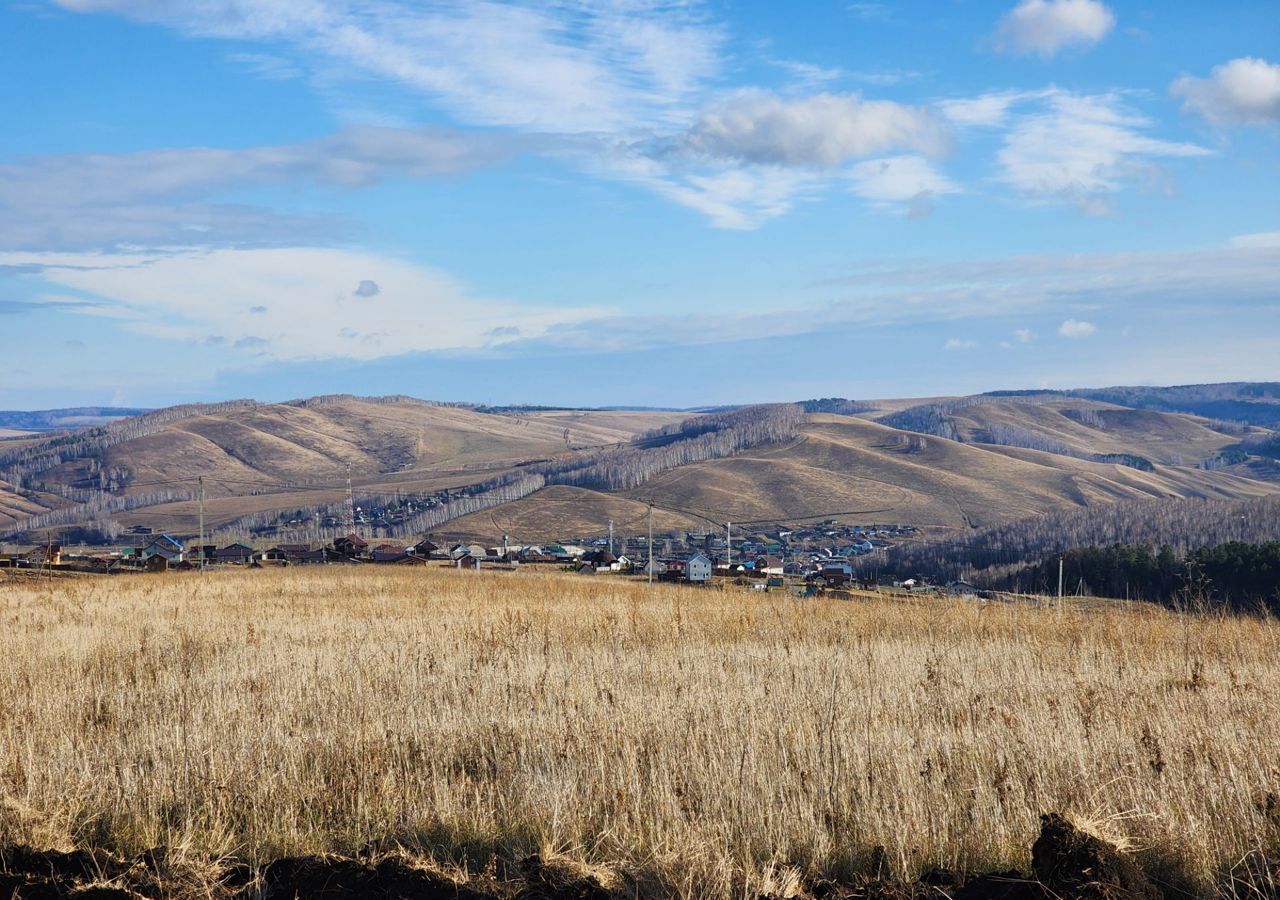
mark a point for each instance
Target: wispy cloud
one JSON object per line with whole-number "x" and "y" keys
{"x": 158, "y": 197}
{"x": 900, "y": 179}
{"x": 1082, "y": 148}
{"x": 564, "y": 67}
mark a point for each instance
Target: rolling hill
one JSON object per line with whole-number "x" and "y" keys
{"x": 949, "y": 463}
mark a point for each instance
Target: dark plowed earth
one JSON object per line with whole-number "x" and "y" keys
{"x": 1067, "y": 863}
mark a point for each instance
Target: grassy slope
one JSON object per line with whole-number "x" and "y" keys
{"x": 563, "y": 511}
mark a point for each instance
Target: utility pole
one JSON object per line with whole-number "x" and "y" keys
{"x": 611, "y": 537}
{"x": 650, "y": 565}
{"x": 728, "y": 545}
{"x": 201, "y": 523}
{"x": 1060, "y": 581}
{"x": 351, "y": 503}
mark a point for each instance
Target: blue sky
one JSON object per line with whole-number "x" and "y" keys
{"x": 633, "y": 202}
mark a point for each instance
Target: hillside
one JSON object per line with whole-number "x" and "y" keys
{"x": 562, "y": 510}
{"x": 850, "y": 469}
{"x": 259, "y": 458}
{"x": 953, "y": 463}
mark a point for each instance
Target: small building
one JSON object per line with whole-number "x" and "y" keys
{"x": 163, "y": 545}
{"x": 697, "y": 569}
{"x": 425, "y": 548}
{"x": 235, "y": 554}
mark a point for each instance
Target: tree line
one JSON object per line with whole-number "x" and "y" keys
{"x": 694, "y": 440}
{"x": 1012, "y": 555}
{"x": 1238, "y": 574}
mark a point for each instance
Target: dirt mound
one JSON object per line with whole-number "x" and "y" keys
{"x": 336, "y": 878}
{"x": 1075, "y": 864}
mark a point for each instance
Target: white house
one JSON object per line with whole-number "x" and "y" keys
{"x": 697, "y": 568}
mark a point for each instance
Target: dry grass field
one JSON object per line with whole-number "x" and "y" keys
{"x": 709, "y": 743}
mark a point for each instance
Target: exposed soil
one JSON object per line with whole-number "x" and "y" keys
{"x": 1067, "y": 863}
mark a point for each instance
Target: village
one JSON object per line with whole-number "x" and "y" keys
{"x": 800, "y": 559}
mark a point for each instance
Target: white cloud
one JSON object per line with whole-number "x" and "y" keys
{"x": 959, "y": 344}
{"x": 1025, "y": 335}
{"x": 753, "y": 156}
{"x": 1080, "y": 148}
{"x": 303, "y": 301}
{"x": 899, "y": 179}
{"x": 1074, "y": 328}
{"x": 563, "y": 67}
{"x": 1045, "y": 27}
{"x": 1244, "y": 91}
{"x": 820, "y": 131}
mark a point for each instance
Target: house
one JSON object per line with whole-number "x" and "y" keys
{"x": 836, "y": 573}
{"x": 163, "y": 545}
{"x": 43, "y": 556}
{"x": 652, "y": 566}
{"x": 467, "y": 561}
{"x": 310, "y": 557}
{"x": 292, "y": 553}
{"x": 351, "y": 546}
{"x": 156, "y": 564}
{"x": 769, "y": 565}
{"x": 697, "y": 569}
{"x": 425, "y": 548}
{"x": 585, "y": 568}
{"x": 237, "y": 554}
{"x": 386, "y": 554}
{"x": 961, "y": 589}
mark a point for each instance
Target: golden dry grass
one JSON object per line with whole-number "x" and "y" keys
{"x": 715, "y": 742}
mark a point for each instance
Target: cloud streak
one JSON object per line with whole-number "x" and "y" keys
{"x": 155, "y": 197}
{"x": 571, "y": 67}
{"x": 288, "y": 304}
